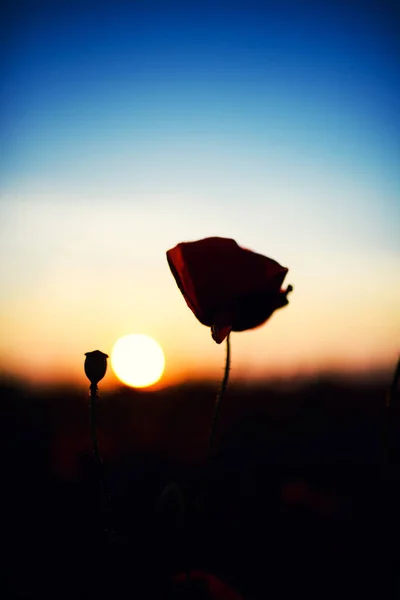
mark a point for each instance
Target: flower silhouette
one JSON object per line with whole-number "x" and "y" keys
{"x": 227, "y": 287}
{"x": 95, "y": 366}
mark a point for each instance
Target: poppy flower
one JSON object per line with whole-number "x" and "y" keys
{"x": 227, "y": 287}
{"x": 203, "y": 585}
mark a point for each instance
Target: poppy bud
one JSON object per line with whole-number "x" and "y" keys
{"x": 95, "y": 366}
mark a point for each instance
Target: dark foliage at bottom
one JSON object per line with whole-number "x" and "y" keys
{"x": 296, "y": 503}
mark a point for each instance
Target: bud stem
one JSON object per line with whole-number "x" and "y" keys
{"x": 93, "y": 395}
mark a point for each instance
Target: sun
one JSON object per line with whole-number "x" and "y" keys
{"x": 137, "y": 360}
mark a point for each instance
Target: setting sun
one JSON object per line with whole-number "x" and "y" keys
{"x": 137, "y": 360}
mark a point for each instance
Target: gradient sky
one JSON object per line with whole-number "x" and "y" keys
{"x": 129, "y": 127}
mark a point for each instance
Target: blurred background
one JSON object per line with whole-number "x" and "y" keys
{"x": 128, "y": 127}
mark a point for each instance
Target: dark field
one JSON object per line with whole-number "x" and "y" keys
{"x": 299, "y": 501}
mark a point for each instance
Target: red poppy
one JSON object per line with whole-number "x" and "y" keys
{"x": 227, "y": 287}
{"x": 204, "y": 585}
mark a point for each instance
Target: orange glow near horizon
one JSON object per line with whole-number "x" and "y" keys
{"x": 277, "y": 349}
{"x": 342, "y": 317}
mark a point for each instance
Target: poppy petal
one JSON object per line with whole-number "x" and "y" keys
{"x": 255, "y": 309}
{"x": 227, "y": 287}
{"x": 211, "y": 585}
{"x": 182, "y": 277}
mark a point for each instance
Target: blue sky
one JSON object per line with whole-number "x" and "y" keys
{"x": 274, "y": 123}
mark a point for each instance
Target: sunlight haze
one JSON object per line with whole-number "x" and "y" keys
{"x": 130, "y": 129}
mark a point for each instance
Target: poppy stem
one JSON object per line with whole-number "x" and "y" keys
{"x": 94, "y": 396}
{"x": 220, "y": 395}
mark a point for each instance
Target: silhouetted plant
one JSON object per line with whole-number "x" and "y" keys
{"x": 95, "y": 368}
{"x": 218, "y": 399}
{"x": 394, "y": 385}
{"x": 389, "y": 407}
{"x": 228, "y": 288}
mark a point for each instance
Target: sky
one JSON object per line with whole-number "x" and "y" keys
{"x": 128, "y": 127}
